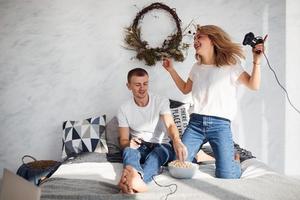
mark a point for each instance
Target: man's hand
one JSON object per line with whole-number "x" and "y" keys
{"x": 135, "y": 143}
{"x": 179, "y": 147}
{"x": 180, "y": 150}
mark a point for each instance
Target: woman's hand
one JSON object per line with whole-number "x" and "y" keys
{"x": 184, "y": 87}
{"x": 258, "y": 51}
{"x": 167, "y": 64}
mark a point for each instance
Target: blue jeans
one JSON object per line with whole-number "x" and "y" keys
{"x": 148, "y": 158}
{"x": 217, "y": 132}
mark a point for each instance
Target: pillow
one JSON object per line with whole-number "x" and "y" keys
{"x": 244, "y": 154}
{"x": 112, "y": 136}
{"x": 175, "y": 104}
{"x": 180, "y": 114}
{"x": 86, "y": 135}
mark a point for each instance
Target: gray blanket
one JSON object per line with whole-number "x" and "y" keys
{"x": 269, "y": 186}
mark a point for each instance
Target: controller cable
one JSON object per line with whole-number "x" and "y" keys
{"x": 168, "y": 186}
{"x": 287, "y": 95}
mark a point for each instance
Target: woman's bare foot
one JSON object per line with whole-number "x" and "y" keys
{"x": 135, "y": 181}
{"x": 202, "y": 157}
{"x": 237, "y": 157}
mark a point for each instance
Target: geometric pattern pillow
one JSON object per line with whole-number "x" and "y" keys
{"x": 86, "y": 135}
{"x": 181, "y": 116}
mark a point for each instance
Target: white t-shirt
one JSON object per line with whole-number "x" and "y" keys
{"x": 145, "y": 122}
{"x": 214, "y": 89}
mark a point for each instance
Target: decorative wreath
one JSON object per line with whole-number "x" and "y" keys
{"x": 171, "y": 47}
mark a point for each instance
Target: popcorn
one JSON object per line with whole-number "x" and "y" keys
{"x": 179, "y": 164}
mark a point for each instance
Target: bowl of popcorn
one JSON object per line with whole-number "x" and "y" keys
{"x": 179, "y": 169}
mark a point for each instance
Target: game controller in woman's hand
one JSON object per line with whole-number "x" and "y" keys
{"x": 251, "y": 40}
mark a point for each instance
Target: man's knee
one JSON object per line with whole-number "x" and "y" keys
{"x": 163, "y": 153}
{"x": 129, "y": 150}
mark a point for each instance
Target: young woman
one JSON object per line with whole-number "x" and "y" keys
{"x": 213, "y": 81}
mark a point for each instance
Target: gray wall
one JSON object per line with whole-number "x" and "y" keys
{"x": 63, "y": 60}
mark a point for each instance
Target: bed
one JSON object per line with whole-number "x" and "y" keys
{"x": 91, "y": 176}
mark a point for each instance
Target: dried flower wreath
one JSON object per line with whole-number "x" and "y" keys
{"x": 171, "y": 47}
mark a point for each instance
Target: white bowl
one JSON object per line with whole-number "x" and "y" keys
{"x": 180, "y": 172}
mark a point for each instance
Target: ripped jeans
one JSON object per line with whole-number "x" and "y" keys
{"x": 148, "y": 158}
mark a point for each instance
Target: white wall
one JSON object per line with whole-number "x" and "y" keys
{"x": 292, "y": 129}
{"x": 64, "y": 60}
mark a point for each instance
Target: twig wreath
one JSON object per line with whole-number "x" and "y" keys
{"x": 171, "y": 47}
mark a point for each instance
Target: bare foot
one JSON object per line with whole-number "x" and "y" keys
{"x": 202, "y": 157}
{"x": 135, "y": 181}
{"x": 237, "y": 157}
{"x": 123, "y": 184}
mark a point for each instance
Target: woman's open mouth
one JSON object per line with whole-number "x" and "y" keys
{"x": 196, "y": 46}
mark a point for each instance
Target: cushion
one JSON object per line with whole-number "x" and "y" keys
{"x": 86, "y": 135}
{"x": 112, "y": 136}
{"x": 175, "y": 104}
{"x": 181, "y": 116}
{"x": 244, "y": 154}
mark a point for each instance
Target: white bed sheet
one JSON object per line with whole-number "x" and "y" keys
{"x": 105, "y": 172}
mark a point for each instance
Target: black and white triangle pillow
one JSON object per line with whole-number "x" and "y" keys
{"x": 86, "y": 135}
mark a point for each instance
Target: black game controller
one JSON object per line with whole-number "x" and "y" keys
{"x": 251, "y": 40}
{"x": 148, "y": 144}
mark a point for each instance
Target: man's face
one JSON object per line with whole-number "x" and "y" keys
{"x": 139, "y": 86}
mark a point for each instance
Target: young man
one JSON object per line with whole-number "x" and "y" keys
{"x": 145, "y": 122}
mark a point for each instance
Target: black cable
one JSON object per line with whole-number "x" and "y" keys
{"x": 168, "y": 186}
{"x": 287, "y": 95}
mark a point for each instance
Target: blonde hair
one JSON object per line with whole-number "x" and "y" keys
{"x": 226, "y": 51}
